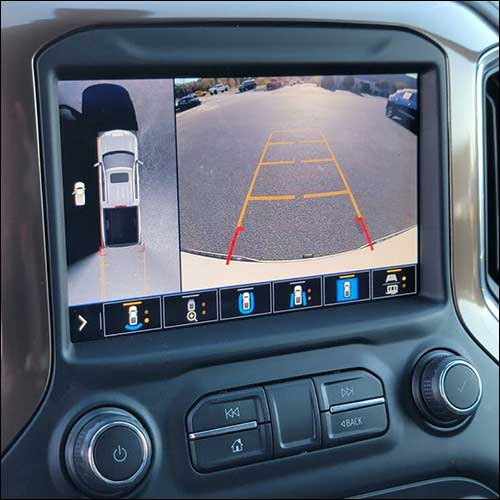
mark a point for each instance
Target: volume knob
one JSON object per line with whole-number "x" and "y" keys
{"x": 108, "y": 452}
{"x": 446, "y": 387}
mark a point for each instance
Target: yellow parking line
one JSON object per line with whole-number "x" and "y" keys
{"x": 311, "y": 141}
{"x": 326, "y": 194}
{"x": 342, "y": 175}
{"x": 317, "y": 160}
{"x": 252, "y": 183}
{"x": 393, "y": 270}
{"x": 281, "y": 162}
{"x": 273, "y": 197}
{"x": 282, "y": 143}
{"x": 347, "y": 276}
{"x": 305, "y": 129}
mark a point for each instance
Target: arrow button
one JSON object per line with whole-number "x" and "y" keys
{"x": 83, "y": 322}
{"x": 86, "y": 322}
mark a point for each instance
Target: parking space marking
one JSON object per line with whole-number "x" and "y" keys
{"x": 311, "y": 141}
{"x": 273, "y": 197}
{"x": 287, "y": 130}
{"x": 317, "y": 160}
{"x": 254, "y": 180}
{"x": 279, "y": 162}
{"x": 326, "y": 194}
{"x": 250, "y": 197}
{"x": 342, "y": 175}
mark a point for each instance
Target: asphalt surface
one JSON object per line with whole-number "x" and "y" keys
{"x": 132, "y": 271}
{"x": 220, "y": 144}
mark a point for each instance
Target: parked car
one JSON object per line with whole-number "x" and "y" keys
{"x": 365, "y": 87}
{"x": 247, "y": 85}
{"x": 187, "y": 102}
{"x": 273, "y": 84}
{"x": 200, "y": 93}
{"x": 403, "y": 104}
{"x": 218, "y": 89}
{"x": 119, "y": 202}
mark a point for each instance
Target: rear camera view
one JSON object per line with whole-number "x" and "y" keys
{"x": 295, "y": 176}
{"x": 205, "y": 199}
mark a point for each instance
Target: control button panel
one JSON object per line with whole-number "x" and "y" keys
{"x": 232, "y": 449}
{"x": 237, "y": 427}
{"x": 342, "y": 388}
{"x": 294, "y": 417}
{"x": 355, "y": 424}
{"x": 221, "y": 410}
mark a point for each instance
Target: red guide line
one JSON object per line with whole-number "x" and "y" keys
{"x": 101, "y": 251}
{"x": 237, "y": 231}
{"x": 365, "y": 231}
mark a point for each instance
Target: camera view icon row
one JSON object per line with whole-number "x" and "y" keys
{"x": 93, "y": 321}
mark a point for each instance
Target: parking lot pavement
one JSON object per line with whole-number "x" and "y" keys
{"x": 296, "y": 169}
{"x": 127, "y": 272}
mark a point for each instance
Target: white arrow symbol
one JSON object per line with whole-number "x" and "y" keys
{"x": 83, "y": 322}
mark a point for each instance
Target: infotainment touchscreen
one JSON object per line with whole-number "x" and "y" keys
{"x": 196, "y": 200}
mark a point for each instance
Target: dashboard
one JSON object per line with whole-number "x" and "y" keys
{"x": 255, "y": 251}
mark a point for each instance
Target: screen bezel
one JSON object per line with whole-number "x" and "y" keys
{"x": 65, "y": 64}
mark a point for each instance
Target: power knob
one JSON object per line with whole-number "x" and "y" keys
{"x": 446, "y": 388}
{"x": 108, "y": 452}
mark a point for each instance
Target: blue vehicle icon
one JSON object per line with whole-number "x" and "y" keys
{"x": 347, "y": 289}
{"x": 246, "y": 302}
{"x": 298, "y": 297}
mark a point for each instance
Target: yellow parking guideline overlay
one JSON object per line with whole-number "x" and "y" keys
{"x": 326, "y": 194}
{"x": 311, "y": 141}
{"x": 273, "y": 197}
{"x": 393, "y": 270}
{"x": 317, "y": 160}
{"x": 279, "y": 162}
{"x": 249, "y": 197}
{"x": 347, "y": 276}
{"x": 342, "y": 175}
{"x": 252, "y": 183}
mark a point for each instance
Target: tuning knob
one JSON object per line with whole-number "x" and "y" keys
{"x": 108, "y": 452}
{"x": 447, "y": 388}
